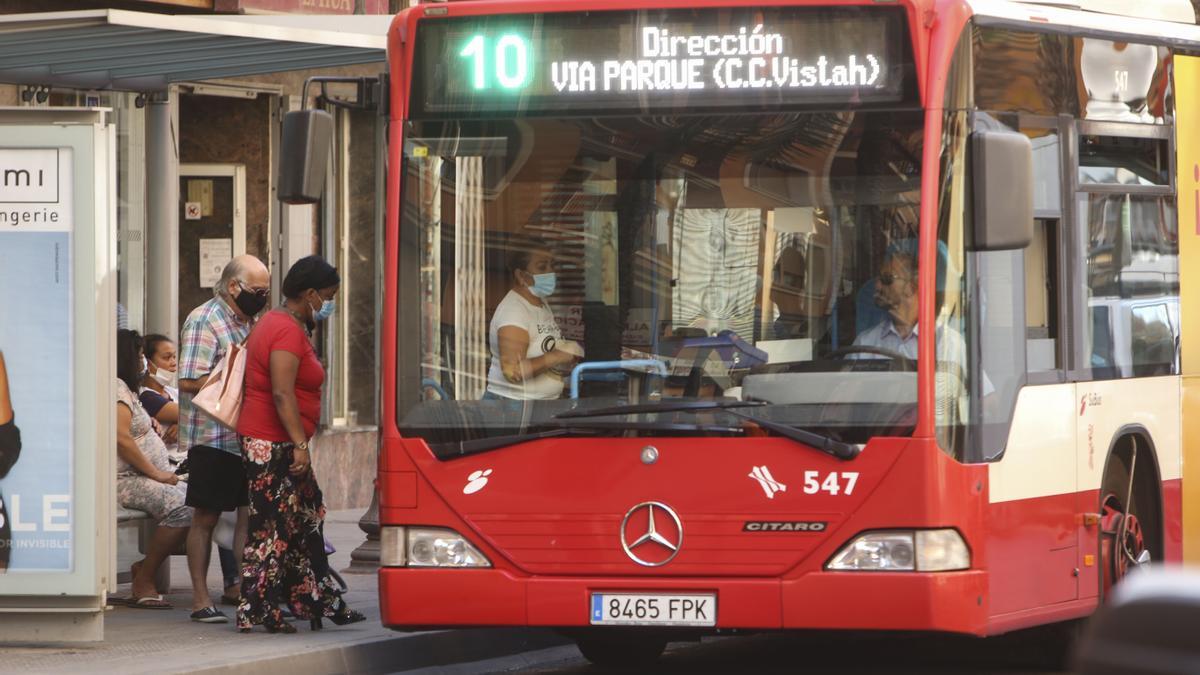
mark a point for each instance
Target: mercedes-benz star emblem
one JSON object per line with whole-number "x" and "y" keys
{"x": 661, "y": 536}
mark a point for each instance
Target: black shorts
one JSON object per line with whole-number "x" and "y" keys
{"x": 216, "y": 480}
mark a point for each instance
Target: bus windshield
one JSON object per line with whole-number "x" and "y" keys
{"x": 577, "y": 263}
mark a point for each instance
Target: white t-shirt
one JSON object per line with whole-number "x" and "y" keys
{"x": 544, "y": 334}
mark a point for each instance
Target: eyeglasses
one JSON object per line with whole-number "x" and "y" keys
{"x": 260, "y": 292}
{"x": 887, "y": 278}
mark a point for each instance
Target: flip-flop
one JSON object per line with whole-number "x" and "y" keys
{"x": 149, "y": 602}
{"x": 117, "y": 600}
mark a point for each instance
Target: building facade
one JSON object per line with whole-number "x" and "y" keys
{"x": 197, "y": 161}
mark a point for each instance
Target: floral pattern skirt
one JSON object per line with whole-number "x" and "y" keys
{"x": 284, "y": 559}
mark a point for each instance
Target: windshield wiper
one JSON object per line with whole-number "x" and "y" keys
{"x": 660, "y": 406}
{"x": 454, "y": 449}
{"x": 830, "y": 446}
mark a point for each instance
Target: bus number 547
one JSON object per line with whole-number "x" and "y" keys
{"x": 834, "y": 483}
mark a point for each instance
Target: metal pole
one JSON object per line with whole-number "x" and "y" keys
{"x": 365, "y": 558}
{"x": 162, "y": 215}
{"x": 1120, "y": 543}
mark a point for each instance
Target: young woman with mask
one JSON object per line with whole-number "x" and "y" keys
{"x": 526, "y": 344}
{"x": 284, "y": 555}
{"x": 10, "y": 449}
{"x": 145, "y": 480}
{"x": 158, "y": 393}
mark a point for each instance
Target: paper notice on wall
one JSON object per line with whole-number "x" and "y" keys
{"x": 215, "y": 254}
{"x": 200, "y": 191}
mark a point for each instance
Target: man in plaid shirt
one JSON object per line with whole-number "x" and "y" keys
{"x": 216, "y": 479}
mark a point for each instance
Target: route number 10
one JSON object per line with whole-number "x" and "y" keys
{"x": 510, "y": 63}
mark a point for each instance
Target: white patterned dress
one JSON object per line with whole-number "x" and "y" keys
{"x": 135, "y": 490}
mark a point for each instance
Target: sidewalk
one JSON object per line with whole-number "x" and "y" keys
{"x": 166, "y": 641}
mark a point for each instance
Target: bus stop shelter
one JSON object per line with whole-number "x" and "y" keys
{"x": 61, "y": 597}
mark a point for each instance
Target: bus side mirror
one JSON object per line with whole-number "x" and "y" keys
{"x": 304, "y": 155}
{"x": 1002, "y": 163}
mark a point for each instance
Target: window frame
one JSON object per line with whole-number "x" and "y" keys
{"x": 1064, "y": 126}
{"x": 1079, "y": 368}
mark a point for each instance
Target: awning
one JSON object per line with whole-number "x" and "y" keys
{"x": 141, "y": 51}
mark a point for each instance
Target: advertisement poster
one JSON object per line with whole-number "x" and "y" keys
{"x": 35, "y": 339}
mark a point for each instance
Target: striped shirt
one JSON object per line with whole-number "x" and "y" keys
{"x": 207, "y": 333}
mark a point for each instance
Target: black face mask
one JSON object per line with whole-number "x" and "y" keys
{"x": 10, "y": 446}
{"x": 250, "y": 303}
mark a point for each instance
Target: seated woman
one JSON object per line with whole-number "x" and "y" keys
{"x": 158, "y": 394}
{"x": 526, "y": 344}
{"x": 145, "y": 481}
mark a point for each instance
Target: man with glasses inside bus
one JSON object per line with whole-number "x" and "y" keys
{"x": 896, "y": 335}
{"x": 896, "y": 294}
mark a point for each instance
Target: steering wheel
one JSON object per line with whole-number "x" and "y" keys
{"x": 905, "y": 363}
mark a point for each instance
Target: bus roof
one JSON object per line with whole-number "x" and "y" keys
{"x": 1163, "y": 10}
{"x": 1170, "y": 22}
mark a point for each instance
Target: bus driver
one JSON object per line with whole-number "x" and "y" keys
{"x": 526, "y": 345}
{"x": 896, "y": 294}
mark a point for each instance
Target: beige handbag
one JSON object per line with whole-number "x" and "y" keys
{"x": 221, "y": 397}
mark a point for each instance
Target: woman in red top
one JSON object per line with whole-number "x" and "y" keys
{"x": 284, "y": 559}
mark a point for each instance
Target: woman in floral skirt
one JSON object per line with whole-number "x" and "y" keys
{"x": 284, "y": 560}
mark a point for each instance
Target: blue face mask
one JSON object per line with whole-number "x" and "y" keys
{"x": 325, "y": 311}
{"x": 543, "y": 285}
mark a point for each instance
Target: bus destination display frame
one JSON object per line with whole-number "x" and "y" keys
{"x": 693, "y": 59}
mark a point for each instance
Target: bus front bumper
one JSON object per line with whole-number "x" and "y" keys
{"x": 412, "y": 599}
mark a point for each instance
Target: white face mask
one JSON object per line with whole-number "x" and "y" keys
{"x": 166, "y": 378}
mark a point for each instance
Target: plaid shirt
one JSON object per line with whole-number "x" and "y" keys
{"x": 207, "y": 333}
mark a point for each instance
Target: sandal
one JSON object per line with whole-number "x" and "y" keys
{"x": 345, "y": 615}
{"x": 209, "y": 614}
{"x": 149, "y": 602}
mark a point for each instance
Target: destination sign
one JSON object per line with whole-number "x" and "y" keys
{"x": 716, "y": 58}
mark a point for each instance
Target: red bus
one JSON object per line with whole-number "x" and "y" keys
{"x": 653, "y": 358}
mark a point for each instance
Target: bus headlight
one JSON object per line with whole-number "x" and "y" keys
{"x": 427, "y": 547}
{"x": 904, "y": 551}
{"x": 438, "y": 547}
{"x": 392, "y": 546}
{"x": 941, "y": 551}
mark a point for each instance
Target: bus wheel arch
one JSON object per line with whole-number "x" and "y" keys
{"x": 1132, "y": 446}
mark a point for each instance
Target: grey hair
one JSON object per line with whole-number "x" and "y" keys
{"x": 235, "y": 270}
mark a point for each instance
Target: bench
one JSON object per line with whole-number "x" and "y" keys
{"x": 134, "y": 530}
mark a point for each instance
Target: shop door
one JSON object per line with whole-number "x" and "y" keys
{"x": 212, "y": 228}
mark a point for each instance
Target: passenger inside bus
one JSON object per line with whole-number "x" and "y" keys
{"x": 528, "y": 354}
{"x": 696, "y": 257}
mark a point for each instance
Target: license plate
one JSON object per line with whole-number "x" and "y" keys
{"x": 643, "y": 609}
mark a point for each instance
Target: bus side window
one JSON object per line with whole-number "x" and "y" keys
{"x": 1041, "y": 298}
{"x": 1131, "y": 258}
{"x": 1151, "y": 340}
